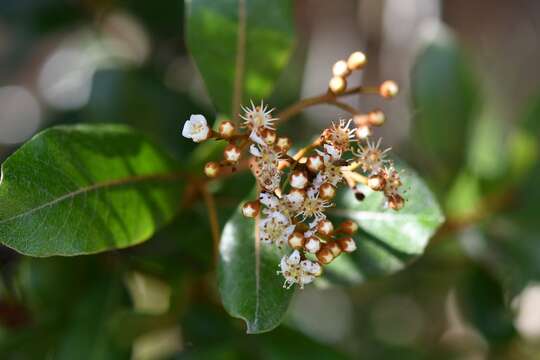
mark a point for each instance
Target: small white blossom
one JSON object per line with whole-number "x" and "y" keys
{"x": 259, "y": 117}
{"x": 196, "y": 128}
{"x": 313, "y": 206}
{"x": 339, "y": 135}
{"x": 298, "y": 272}
{"x": 371, "y": 157}
{"x": 275, "y": 229}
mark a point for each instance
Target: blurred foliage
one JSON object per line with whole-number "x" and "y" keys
{"x": 461, "y": 299}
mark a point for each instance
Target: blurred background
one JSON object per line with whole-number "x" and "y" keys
{"x": 467, "y": 119}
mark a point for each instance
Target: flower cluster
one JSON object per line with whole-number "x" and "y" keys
{"x": 295, "y": 191}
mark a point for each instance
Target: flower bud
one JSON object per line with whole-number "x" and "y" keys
{"x": 296, "y": 240}
{"x": 325, "y": 256}
{"x": 340, "y": 69}
{"x": 361, "y": 119}
{"x": 327, "y": 191}
{"x": 315, "y": 163}
{"x": 283, "y": 144}
{"x": 347, "y": 244}
{"x": 358, "y": 194}
{"x": 388, "y": 89}
{"x": 395, "y": 202}
{"x": 299, "y": 180}
{"x": 296, "y": 196}
{"x": 337, "y": 84}
{"x": 325, "y": 227}
{"x": 251, "y": 209}
{"x": 348, "y": 227}
{"x": 211, "y": 169}
{"x": 334, "y": 248}
{"x": 356, "y": 61}
{"x": 231, "y": 153}
{"x": 312, "y": 245}
{"x": 363, "y": 132}
{"x": 376, "y": 118}
{"x": 226, "y": 129}
{"x": 269, "y": 136}
{"x": 376, "y": 182}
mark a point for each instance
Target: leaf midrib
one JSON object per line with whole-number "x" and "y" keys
{"x": 170, "y": 176}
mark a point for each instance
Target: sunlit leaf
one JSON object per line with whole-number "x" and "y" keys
{"x": 249, "y": 286}
{"x": 82, "y": 189}
{"x": 240, "y": 47}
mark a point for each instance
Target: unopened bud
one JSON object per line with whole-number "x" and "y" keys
{"x": 333, "y": 247}
{"x": 296, "y": 196}
{"x": 299, "y": 180}
{"x": 211, "y": 169}
{"x": 395, "y": 202}
{"x": 363, "y": 132}
{"x": 376, "y": 118}
{"x": 325, "y": 256}
{"x": 341, "y": 69}
{"x": 231, "y": 153}
{"x": 348, "y": 227}
{"x": 327, "y": 191}
{"x": 388, "y": 89}
{"x": 312, "y": 245}
{"x": 357, "y": 60}
{"x": 251, "y": 209}
{"x": 325, "y": 227}
{"x": 347, "y": 244}
{"x": 376, "y": 182}
{"x": 296, "y": 240}
{"x": 226, "y": 129}
{"x": 269, "y": 136}
{"x": 361, "y": 120}
{"x": 283, "y": 144}
{"x": 315, "y": 163}
{"x": 337, "y": 84}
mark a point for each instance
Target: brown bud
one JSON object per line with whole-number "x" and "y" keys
{"x": 327, "y": 191}
{"x": 312, "y": 245}
{"x": 359, "y": 195}
{"x": 341, "y": 69}
{"x": 337, "y": 84}
{"x": 269, "y": 136}
{"x": 251, "y": 209}
{"x": 296, "y": 240}
{"x": 315, "y": 163}
{"x": 376, "y": 182}
{"x": 388, "y": 89}
{"x": 395, "y": 202}
{"x": 232, "y": 153}
{"x": 333, "y": 247}
{"x": 361, "y": 119}
{"x": 325, "y": 256}
{"x": 211, "y": 169}
{"x": 226, "y": 129}
{"x": 283, "y": 144}
{"x": 299, "y": 180}
{"x": 356, "y": 61}
{"x": 325, "y": 227}
{"x": 376, "y": 118}
{"x": 348, "y": 227}
{"x": 347, "y": 244}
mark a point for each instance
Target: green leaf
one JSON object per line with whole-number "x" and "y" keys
{"x": 240, "y": 47}
{"x": 249, "y": 285}
{"x": 445, "y": 99}
{"x": 83, "y": 189}
{"x": 392, "y": 238}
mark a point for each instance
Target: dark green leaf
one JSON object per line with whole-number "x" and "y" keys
{"x": 250, "y": 288}
{"x": 445, "y": 98}
{"x": 240, "y": 47}
{"x": 393, "y": 238}
{"x": 82, "y": 189}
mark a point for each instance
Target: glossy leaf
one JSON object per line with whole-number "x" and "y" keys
{"x": 240, "y": 47}
{"x": 82, "y": 189}
{"x": 249, "y": 285}
{"x": 445, "y": 101}
{"x": 392, "y": 238}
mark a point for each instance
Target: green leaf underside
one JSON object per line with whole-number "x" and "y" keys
{"x": 389, "y": 239}
{"x": 82, "y": 189}
{"x": 239, "y": 54}
{"x": 249, "y": 285}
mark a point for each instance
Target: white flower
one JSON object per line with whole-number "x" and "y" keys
{"x": 340, "y": 134}
{"x": 298, "y": 272}
{"x": 275, "y": 229}
{"x": 371, "y": 157}
{"x": 267, "y": 172}
{"x": 313, "y": 206}
{"x": 259, "y": 117}
{"x": 196, "y": 128}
